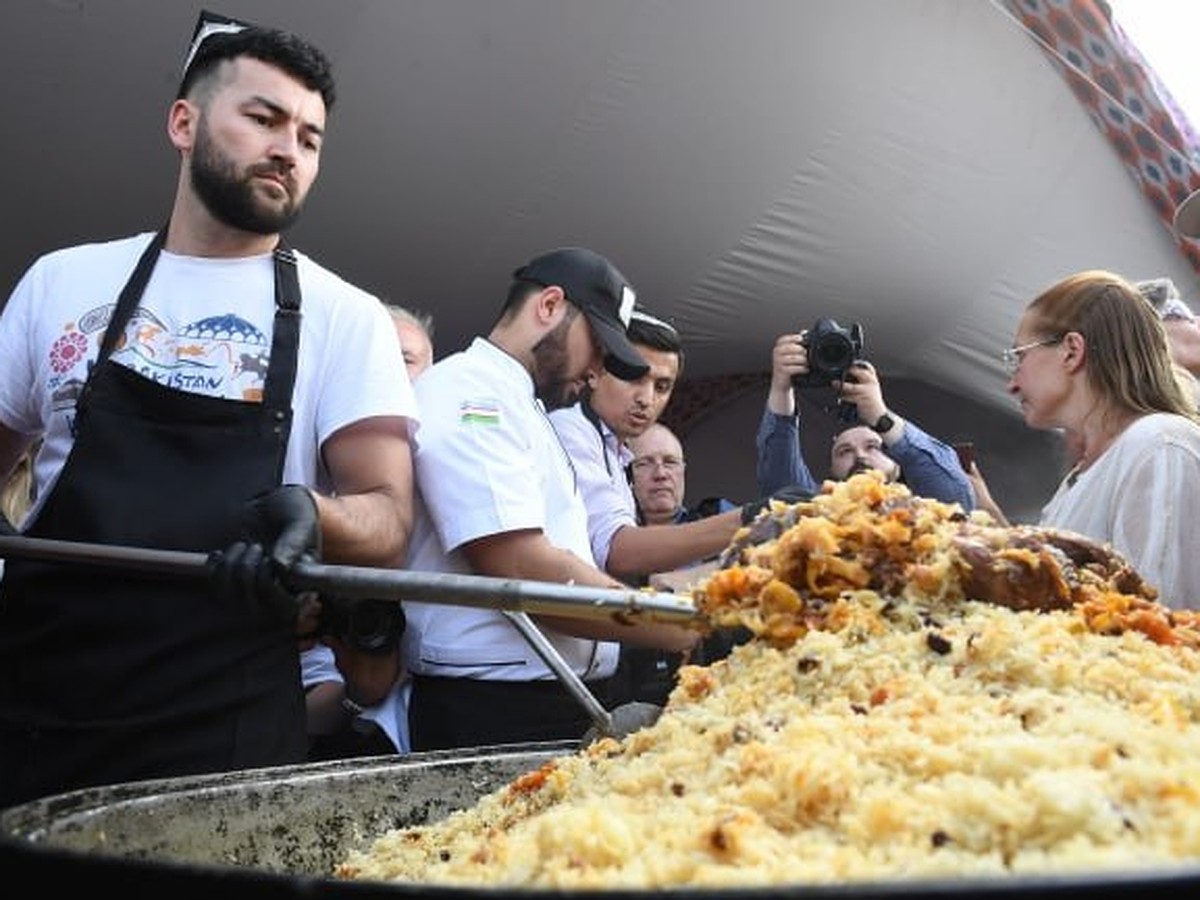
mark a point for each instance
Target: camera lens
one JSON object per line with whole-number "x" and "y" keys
{"x": 375, "y": 626}
{"x": 832, "y": 350}
{"x": 834, "y": 353}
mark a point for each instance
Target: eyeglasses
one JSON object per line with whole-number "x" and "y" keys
{"x": 1012, "y": 357}
{"x": 645, "y": 464}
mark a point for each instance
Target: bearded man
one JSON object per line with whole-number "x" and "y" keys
{"x": 203, "y": 388}
{"x": 500, "y": 496}
{"x": 878, "y": 438}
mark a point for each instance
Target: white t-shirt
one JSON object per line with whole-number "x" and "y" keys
{"x": 488, "y": 462}
{"x": 204, "y": 325}
{"x": 1142, "y": 496}
{"x": 600, "y": 460}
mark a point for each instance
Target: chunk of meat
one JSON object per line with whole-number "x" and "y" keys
{"x": 1027, "y": 567}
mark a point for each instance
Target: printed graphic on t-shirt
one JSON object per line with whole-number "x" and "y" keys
{"x": 218, "y": 356}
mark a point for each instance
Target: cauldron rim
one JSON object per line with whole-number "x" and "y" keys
{"x": 27, "y": 850}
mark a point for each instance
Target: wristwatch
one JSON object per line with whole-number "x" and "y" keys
{"x": 351, "y": 707}
{"x": 884, "y": 424}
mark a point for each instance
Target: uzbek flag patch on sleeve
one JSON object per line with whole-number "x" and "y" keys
{"x": 479, "y": 412}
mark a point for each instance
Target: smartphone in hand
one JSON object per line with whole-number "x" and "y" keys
{"x": 966, "y": 455}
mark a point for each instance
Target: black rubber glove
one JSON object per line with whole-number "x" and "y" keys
{"x": 279, "y": 527}
{"x": 792, "y": 493}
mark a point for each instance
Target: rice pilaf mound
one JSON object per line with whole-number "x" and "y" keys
{"x": 884, "y": 724}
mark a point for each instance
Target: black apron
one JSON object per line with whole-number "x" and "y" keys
{"x": 109, "y": 675}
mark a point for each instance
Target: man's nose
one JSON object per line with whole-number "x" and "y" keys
{"x": 285, "y": 147}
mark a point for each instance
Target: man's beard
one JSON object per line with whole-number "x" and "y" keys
{"x": 551, "y": 384}
{"x": 890, "y": 474}
{"x": 229, "y": 195}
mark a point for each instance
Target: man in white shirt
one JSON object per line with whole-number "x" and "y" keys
{"x": 595, "y": 432}
{"x": 202, "y": 387}
{"x": 499, "y": 496}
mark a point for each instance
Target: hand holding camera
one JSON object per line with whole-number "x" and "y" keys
{"x": 860, "y": 389}
{"x": 369, "y": 626}
{"x": 831, "y": 351}
{"x": 364, "y": 636}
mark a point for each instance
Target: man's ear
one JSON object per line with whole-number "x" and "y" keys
{"x": 551, "y": 304}
{"x": 182, "y": 119}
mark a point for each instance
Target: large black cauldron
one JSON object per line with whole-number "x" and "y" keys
{"x": 276, "y": 833}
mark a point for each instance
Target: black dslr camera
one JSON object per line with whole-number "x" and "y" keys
{"x": 832, "y": 350}
{"x": 370, "y": 626}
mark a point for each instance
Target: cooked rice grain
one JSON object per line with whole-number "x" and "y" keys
{"x": 896, "y": 737}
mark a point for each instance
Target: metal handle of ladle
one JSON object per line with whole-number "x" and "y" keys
{"x": 549, "y": 654}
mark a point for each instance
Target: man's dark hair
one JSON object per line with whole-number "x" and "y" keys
{"x": 281, "y": 49}
{"x": 517, "y": 292}
{"x": 649, "y": 332}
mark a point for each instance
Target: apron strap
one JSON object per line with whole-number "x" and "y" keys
{"x": 281, "y": 372}
{"x": 130, "y": 295}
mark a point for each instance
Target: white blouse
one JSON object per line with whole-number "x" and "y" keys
{"x": 1142, "y": 496}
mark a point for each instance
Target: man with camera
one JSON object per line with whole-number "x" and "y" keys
{"x": 355, "y": 696}
{"x": 870, "y": 436}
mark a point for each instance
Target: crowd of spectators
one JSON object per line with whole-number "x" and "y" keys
{"x": 535, "y": 453}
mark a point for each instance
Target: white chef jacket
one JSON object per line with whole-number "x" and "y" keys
{"x": 600, "y": 459}
{"x": 488, "y": 462}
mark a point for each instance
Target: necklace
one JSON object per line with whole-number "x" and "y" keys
{"x": 1093, "y": 452}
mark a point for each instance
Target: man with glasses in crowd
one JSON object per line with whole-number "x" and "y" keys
{"x": 658, "y": 477}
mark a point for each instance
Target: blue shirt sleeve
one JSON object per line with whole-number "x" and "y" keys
{"x": 780, "y": 462}
{"x": 931, "y": 468}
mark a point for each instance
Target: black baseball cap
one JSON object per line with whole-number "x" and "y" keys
{"x": 601, "y": 292}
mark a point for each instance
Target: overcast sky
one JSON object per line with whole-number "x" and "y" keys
{"x": 1168, "y": 34}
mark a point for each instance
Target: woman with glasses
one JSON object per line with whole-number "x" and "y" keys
{"x": 1090, "y": 357}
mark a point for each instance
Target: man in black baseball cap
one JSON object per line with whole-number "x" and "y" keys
{"x": 503, "y": 497}
{"x": 601, "y": 292}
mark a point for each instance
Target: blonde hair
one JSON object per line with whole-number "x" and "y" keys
{"x": 1189, "y": 382}
{"x": 1128, "y": 358}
